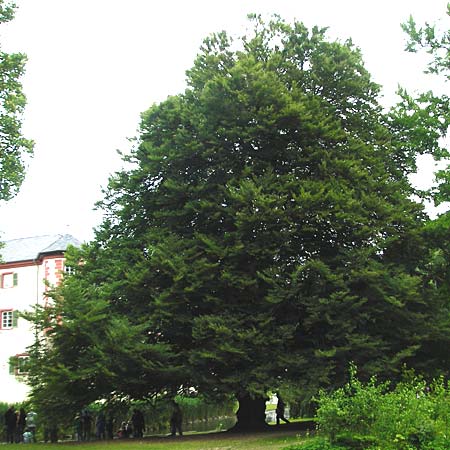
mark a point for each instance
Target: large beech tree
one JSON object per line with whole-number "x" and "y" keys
{"x": 263, "y": 235}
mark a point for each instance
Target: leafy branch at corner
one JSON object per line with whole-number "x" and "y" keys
{"x": 14, "y": 148}
{"x": 430, "y": 109}
{"x": 434, "y": 42}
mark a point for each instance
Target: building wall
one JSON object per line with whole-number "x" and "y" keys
{"x": 30, "y": 290}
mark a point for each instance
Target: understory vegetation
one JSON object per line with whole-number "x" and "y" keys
{"x": 376, "y": 415}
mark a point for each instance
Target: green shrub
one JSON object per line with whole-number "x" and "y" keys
{"x": 412, "y": 415}
{"x": 351, "y": 408}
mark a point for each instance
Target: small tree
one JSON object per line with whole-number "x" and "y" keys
{"x": 13, "y": 146}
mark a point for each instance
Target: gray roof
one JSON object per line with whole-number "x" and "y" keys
{"x": 28, "y": 249}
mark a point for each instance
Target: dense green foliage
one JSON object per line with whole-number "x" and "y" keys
{"x": 13, "y": 146}
{"x": 3, "y": 408}
{"x": 412, "y": 415}
{"x": 93, "y": 355}
{"x": 262, "y": 236}
{"x": 432, "y": 357}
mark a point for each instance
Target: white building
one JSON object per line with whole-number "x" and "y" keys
{"x": 27, "y": 266}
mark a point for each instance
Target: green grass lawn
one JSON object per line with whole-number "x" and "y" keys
{"x": 270, "y": 440}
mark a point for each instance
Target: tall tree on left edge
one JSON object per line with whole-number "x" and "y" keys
{"x": 14, "y": 147}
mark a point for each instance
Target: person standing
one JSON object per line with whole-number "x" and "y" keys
{"x": 30, "y": 422}
{"x": 86, "y": 424}
{"x": 280, "y": 410}
{"x": 77, "y": 427}
{"x": 100, "y": 426}
{"x": 110, "y": 425}
{"x": 138, "y": 421}
{"x": 176, "y": 420}
{"x": 21, "y": 422}
{"x": 10, "y": 425}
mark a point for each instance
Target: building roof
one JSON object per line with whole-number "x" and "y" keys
{"x": 31, "y": 248}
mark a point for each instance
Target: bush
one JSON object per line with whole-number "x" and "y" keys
{"x": 351, "y": 408}
{"x": 413, "y": 415}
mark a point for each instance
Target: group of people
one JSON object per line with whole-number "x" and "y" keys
{"x": 84, "y": 422}
{"x": 136, "y": 425}
{"x": 104, "y": 426}
{"x": 20, "y": 426}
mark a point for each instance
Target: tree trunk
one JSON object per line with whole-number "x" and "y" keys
{"x": 251, "y": 415}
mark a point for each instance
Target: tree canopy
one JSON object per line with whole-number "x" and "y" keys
{"x": 429, "y": 110}
{"x": 433, "y": 41}
{"x": 13, "y": 146}
{"x": 262, "y": 236}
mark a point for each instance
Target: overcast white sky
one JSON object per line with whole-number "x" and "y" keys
{"x": 95, "y": 65}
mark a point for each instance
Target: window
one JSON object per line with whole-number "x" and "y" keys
{"x": 22, "y": 364}
{"x": 18, "y": 364}
{"x": 9, "y": 280}
{"x": 8, "y": 319}
{"x": 69, "y": 270}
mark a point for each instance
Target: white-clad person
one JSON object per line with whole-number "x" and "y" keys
{"x": 30, "y": 422}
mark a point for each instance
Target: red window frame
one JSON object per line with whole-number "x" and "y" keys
{"x": 15, "y": 280}
{"x": 24, "y": 357}
{"x": 2, "y": 311}
{"x": 14, "y": 364}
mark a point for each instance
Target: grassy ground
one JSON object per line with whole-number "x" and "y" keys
{"x": 269, "y": 440}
